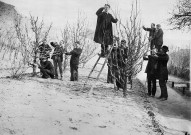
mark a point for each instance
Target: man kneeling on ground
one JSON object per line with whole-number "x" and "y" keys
{"x": 46, "y": 68}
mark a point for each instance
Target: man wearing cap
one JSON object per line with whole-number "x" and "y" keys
{"x": 103, "y": 33}
{"x": 46, "y": 68}
{"x": 57, "y": 57}
{"x": 162, "y": 71}
{"x": 151, "y": 35}
{"x": 158, "y": 38}
{"x": 44, "y": 49}
{"x": 74, "y": 61}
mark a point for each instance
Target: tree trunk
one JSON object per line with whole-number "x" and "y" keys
{"x": 125, "y": 86}
{"x": 34, "y": 62}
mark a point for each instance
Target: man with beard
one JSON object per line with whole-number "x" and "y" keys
{"x": 103, "y": 33}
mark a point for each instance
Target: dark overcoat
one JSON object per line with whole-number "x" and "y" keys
{"x": 162, "y": 70}
{"x": 158, "y": 38}
{"x": 103, "y": 32}
{"x": 75, "y": 56}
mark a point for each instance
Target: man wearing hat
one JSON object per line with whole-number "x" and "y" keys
{"x": 103, "y": 33}
{"x": 74, "y": 61}
{"x": 46, "y": 68}
{"x": 162, "y": 71}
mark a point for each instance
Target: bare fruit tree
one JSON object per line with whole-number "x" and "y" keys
{"x": 181, "y": 15}
{"x": 136, "y": 46}
{"x": 21, "y": 42}
{"x": 40, "y": 33}
{"x": 79, "y": 31}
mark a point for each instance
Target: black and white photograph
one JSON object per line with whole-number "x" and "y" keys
{"x": 95, "y": 67}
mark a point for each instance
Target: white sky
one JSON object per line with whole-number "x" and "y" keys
{"x": 62, "y": 11}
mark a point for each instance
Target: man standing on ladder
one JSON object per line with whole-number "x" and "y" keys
{"x": 152, "y": 32}
{"x": 103, "y": 33}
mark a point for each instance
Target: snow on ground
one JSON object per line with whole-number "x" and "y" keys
{"x": 54, "y": 107}
{"x": 175, "y": 113}
{"x": 39, "y": 106}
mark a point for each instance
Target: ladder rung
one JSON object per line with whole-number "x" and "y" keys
{"x": 100, "y": 63}
{"x": 92, "y": 77}
{"x": 96, "y": 71}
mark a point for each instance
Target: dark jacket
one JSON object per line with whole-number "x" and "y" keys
{"x": 122, "y": 56}
{"x": 151, "y": 32}
{"x": 45, "y": 50}
{"x": 76, "y": 52}
{"x": 58, "y": 51}
{"x": 162, "y": 71}
{"x": 151, "y": 68}
{"x": 103, "y": 32}
{"x": 47, "y": 65}
{"x": 158, "y": 37}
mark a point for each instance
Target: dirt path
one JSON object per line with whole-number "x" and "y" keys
{"x": 175, "y": 113}
{"x": 35, "y": 106}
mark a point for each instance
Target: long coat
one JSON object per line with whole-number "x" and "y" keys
{"x": 151, "y": 68}
{"x": 162, "y": 71}
{"x": 158, "y": 37}
{"x": 103, "y": 32}
{"x": 75, "y": 56}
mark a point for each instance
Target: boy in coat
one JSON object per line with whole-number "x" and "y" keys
{"x": 74, "y": 61}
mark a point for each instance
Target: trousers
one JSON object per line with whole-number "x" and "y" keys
{"x": 57, "y": 64}
{"x": 162, "y": 84}
{"x": 74, "y": 72}
{"x": 151, "y": 81}
{"x": 46, "y": 73}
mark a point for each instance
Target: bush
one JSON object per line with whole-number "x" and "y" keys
{"x": 179, "y": 63}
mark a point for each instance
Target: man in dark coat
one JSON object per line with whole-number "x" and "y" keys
{"x": 158, "y": 37}
{"x": 162, "y": 71}
{"x": 74, "y": 61}
{"x": 103, "y": 33}
{"x": 46, "y": 68}
{"x": 121, "y": 59}
{"x": 151, "y": 74}
{"x": 57, "y": 57}
{"x": 152, "y": 31}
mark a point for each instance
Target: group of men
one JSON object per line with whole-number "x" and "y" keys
{"x": 157, "y": 64}
{"x": 157, "y": 61}
{"x": 49, "y": 70}
{"x": 117, "y": 63}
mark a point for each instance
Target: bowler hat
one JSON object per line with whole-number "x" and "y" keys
{"x": 165, "y": 48}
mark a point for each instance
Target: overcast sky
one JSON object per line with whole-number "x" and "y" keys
{"x": 61, "y": 11}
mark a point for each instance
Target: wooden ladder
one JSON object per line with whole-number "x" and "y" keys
{"x": 99, "y": 72}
